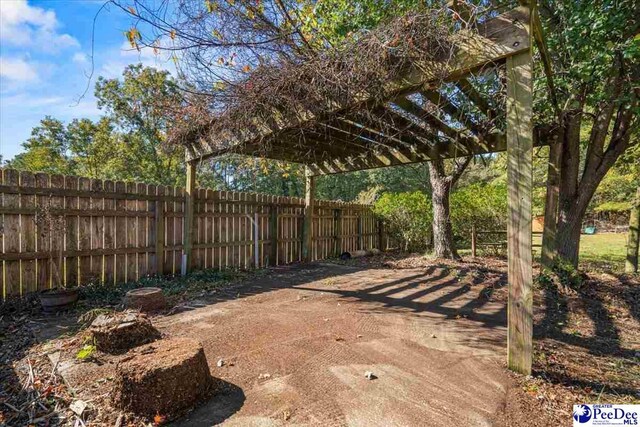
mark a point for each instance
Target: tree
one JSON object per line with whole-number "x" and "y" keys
{"x": 126, "y": 144}
{"x": 395, "y": 179}
{"x": 591, "y": 113}
{"x": 441, "y": 185}
{"x": 234, "y": 173}
{"x": 616, "y": 191}
{"x": 633, "y": 237}
{"x": 46, "y": 150}
{"x": 407, "y": 217}
{"x": 94, "y": 148}
{"x": 136, "y": 105}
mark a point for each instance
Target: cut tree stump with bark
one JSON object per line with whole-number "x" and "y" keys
{"x": 165, "y": 378}
{"x": 148, "y": 300}
{"x": 118, "y": 332}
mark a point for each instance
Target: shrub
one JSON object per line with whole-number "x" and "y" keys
{"x": 407, "y": 218}
{"x": 482, "y": 205}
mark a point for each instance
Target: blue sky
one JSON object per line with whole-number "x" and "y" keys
{"x": 45, "y": 49}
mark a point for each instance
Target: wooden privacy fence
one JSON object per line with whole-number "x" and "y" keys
{"x": 115, "y": 232}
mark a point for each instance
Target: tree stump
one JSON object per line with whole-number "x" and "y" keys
{"x": 118, "y": 332}
{"x": 166, "y": 378}
{"x": 145, "y": 299}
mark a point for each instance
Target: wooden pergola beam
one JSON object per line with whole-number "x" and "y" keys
{"x": 384, "y": 142}
{"x": 452, "y": 110}
{"x": 416, "y": 129}
{"x": 296, "y": 148}
{"x": 459, "y": 137}
{"x": 492, "y": 41}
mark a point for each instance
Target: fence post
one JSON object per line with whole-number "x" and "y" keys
{"x": 381, "y": 245}
{"x": 473, "y": 241}
{"x": 337, "y": 231}
{"x": 273, "y": 234}
{"x": 359, "y": 223}
{"x": 256, "y": 240}
{"x": 187, "y": 229}
{"x": 307, "y": 227}
{"x": 159, "y": 214}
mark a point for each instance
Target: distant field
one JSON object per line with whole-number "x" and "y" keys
{"x": 599, "y": 251}
{"x": 605, "y": 251}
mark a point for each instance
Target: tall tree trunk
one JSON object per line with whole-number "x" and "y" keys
{"x": 633, "y": 238}
{"x": 568, "y": 241}
{"x": 577, "y": 190}
{"x": 443, "y": 244}
{"x": 551, "y": 206}
{"x": 569, "y": 226}
{"x": 441, "y": 184}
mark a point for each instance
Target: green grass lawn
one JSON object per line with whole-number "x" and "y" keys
{"x": 606, "y": 251}
{"x": 603, "y": 252}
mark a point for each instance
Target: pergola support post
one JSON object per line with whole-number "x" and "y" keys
{"x": 187, "y": 228}
{"x": 307, "y": 228}
{"x": 519, "y": 176}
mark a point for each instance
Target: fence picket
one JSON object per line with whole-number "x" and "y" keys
{"x": 117, "y": 232}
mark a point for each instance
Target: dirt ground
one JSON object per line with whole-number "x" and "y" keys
{"x": 294, "y": 345}
{"x": 300, "y": 353}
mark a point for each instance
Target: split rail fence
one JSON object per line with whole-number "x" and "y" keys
{"x": 497, "y": 239}
{"x": 114, "y": 232}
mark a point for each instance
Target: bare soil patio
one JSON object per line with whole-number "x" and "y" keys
{"x": 295, "y": 344}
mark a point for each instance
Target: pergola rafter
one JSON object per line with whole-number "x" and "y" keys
{"x": 476, "y": 98}
{"x": 416, "y": 122}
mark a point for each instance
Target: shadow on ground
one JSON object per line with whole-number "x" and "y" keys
{"x": 227, "y": 400}
{"x": 462, "y": 294}
{"x": 586, "y": 328}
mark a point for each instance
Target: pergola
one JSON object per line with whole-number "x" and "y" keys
{"x": 402, "y": 131}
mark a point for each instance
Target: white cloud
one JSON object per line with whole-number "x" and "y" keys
{"x": 23, "y": 25}
{"x": 17, "y": 70}
{"x": 79, "y": 58}
{"x": 147, "y": 56}
{"x": 36, "y": 102}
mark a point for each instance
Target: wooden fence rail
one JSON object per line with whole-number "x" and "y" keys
{"x": 476, "y": 240}
{"x": 115, "y": 232}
